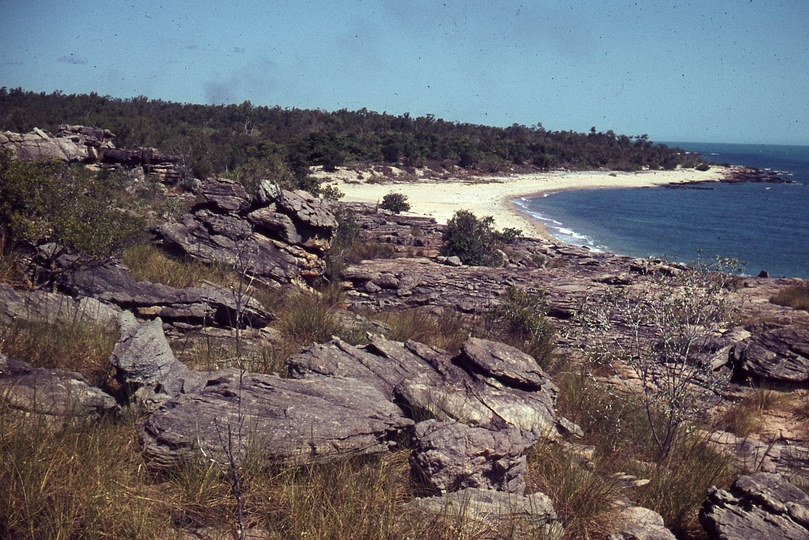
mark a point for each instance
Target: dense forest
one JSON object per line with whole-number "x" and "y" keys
{"x": 245, "y": 137}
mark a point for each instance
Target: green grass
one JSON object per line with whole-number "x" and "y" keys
{"x": 149, "y": 263}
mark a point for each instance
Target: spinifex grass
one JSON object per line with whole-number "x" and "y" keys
{"x": 446, "y": 331}
{"x": 149, "y": 263}
{"x": 74, "y": 345}
{"x": 796, "y": 296}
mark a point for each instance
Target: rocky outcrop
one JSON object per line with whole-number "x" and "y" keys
{"x": 49, "y": 307}
{"x": 781, "y": 455}
{"x": 779, "y": 355}
{"x": 638, "y": 523}
{"x": 82, "y": 144}
{"x": 278, "y": 235}
{"x": 757, "y": 506}
{"x": 282, "y": 420}
{"x": 449, "y": 456}
{"x": 428, "y": 381}
{"x": 191, "y": 305}
{"x": 57, "y": 395}
{"x": 147, "y": 367}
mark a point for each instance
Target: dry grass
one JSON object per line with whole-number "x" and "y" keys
{"x": 796, "y": 296}
{"x": 73, "y": 345}
{"x": 447, "y": 330}
{"x": 149, "y": 263}
{"x": 746, "y": 417}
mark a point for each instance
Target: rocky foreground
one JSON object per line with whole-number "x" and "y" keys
{"x": 470, "y": 415}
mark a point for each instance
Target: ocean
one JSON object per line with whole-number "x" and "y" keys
{"x": 763, "y": 225}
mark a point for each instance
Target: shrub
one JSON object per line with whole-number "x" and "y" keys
{"x": 526, "y": 325}
{"x": 395, "y": 202}
{"x": 475, "y": 241}
{"x": 49, "y": 201}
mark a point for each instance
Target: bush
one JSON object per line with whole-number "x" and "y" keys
{"x": 395, "y": 202}
{"x": 475, "y": 241}
{"x": 48, "y": 201}
{"x": 526, "y": 325}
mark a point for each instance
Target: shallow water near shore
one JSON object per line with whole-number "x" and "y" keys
{"x": 762, "y": 224}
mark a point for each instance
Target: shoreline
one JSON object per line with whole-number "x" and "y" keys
{"x": 492, "y": 195}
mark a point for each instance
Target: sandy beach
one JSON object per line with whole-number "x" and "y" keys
{"x": 491, "y": 195}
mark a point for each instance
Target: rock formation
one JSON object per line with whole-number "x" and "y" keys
{"x": 761, "y": 506}
{"x": 777, "y": 355}
{"x": 278, "y": 236}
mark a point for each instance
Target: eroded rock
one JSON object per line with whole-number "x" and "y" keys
{"x": 779, "y": 355}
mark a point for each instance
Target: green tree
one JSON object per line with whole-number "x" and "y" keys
{"x": 395, "y": 202}
{"x": 475, "y": 241}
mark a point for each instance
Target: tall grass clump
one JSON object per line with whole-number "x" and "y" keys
{"x": 522, "y": 316}
{"x": 796, "y": 296}
{"x": 74, "y": 345}
{"x": 85, "y": 481}
{"x": 146, "y": 262}
{"x": 447, "y": 330}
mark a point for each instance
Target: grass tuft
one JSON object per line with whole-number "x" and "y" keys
{"x": 796, "y": 296}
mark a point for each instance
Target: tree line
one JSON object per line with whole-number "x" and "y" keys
{"x": 245, "y": 137}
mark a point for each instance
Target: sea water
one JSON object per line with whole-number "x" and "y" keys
{"x": 764, "y": 225}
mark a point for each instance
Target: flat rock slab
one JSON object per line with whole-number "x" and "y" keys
{"x": 54, "y": 393}
{"x": 761, "y": 506}
{"x": 482, "y": 513}
{"x": 284, "y": 420}
{"x": 189, "y": 305}
{"x": 780, "y": 355}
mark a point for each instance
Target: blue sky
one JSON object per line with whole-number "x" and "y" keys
{"x": 709, "y": 70}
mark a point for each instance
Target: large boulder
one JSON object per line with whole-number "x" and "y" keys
{"x": 147, "y": 367}
{"x": 759, "y": 506}
{"x": 450, "y": 456}
{"x": 282, "y": 420}
{"x": 51, "y": 308}
{"x": 57, "y": 395}
{"x": 779, "y": 355}
{"x": 278, "y": 235}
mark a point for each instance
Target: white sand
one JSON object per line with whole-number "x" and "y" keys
{"x": 490, "y": 196}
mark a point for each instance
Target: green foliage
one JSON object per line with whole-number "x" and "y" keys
{"x": 527, "y": 328}
{"x": 48, "y": 201}
{"x": 216, "y": 139}
{"x": 395, "y": 202}
{"x": 475, "y": 241}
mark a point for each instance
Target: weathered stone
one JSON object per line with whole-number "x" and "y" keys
{"x": 486, "y": 511}
{"x": 56, "y": 394}
{"x": 48, "y": 307}
{"x": 638, "y": 523}
{"x": 284, "y": 420}
{"x": 449, "y": 456}
{"x": 226, "y": 195}
{"x": 306, "y": 208}
{"x": 506, "y": 364}
{"x": 147, "y": 367}
{"x": 757, "y": 506}
{"x": 432, "y": 381}
{"x": 780, "y": 355}
{"x": 277, "y": 223}
{"x": 190, "y": 305}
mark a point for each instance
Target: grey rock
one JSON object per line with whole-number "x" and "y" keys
{"x": 779, "y": 355}
{"x": 450, "y": 456}
{"x": 428, "y": 381}
{"x": 48, "y": 307}
{"x": 56, "y": 394}
{"x": 506, "y": 364}
{"x": 638, "y": 523}
{"x": 757, "y": 506}
{"x": 486, "y": 511}
{"x": 147, "y": 367}
{"x": 192, "y": 305}
{"x": 226, "y": 195}
{"x": 283, "y": 420}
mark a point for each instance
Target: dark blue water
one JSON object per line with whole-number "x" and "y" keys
{"x": 763, "y": 225}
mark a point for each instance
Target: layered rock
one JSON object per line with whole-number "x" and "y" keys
{"x": 278, "y": 235}
{"x": 778, "y": 355}
{"x": 191, "y": 305}
{"x": 757, "y": 506}
{"x": 57, "y": 395}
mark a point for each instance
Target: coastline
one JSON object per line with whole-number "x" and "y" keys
{"x": 492, "y": 195}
